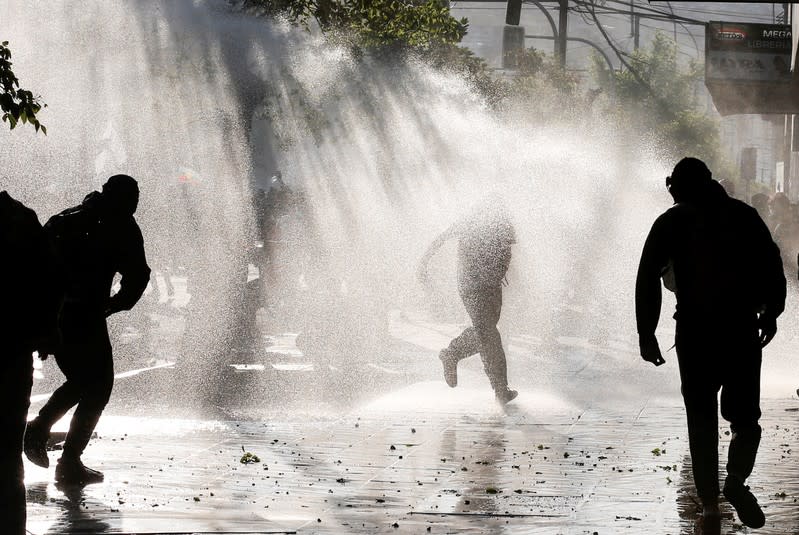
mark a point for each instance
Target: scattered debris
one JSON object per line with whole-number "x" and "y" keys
{"x": 249, "y": 458}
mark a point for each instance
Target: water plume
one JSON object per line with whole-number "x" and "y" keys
{"x": 204, "y": 105}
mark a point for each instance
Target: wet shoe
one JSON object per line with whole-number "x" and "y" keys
{"x": 506, "y": 396}
{"x": 450, "y": 368}
{"x": 744, "y": 502}
{"x": 35, "y": 444}
{"x": 73, "y": 472}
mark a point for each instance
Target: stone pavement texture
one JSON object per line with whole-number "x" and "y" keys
{"x": 595, "y": 443}
{"x": 421, "y": 459}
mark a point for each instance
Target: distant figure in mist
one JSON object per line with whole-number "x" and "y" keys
{"x": 760, "y": 203}
{"x": 484, "y": 239}
{"x": 28, "y": 309}
{"x": 730, "y": 289}
{"x": 93, "y": 242}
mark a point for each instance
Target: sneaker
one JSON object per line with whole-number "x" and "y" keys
{"x": 506, "y": 396}
{"x": 744, "y": 502}
{"x": 450, "y": 368}
{"x": 35, "y": 444}
{"x": 73, "y": 472}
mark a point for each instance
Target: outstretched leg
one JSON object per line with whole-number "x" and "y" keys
{"x": 484, "y": 306}
{"x": 464, "y": 345}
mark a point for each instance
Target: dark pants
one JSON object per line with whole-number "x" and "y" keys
{"x": 15, "y": 393}
{"x": 726, "y": 358}
{"x": 483, "y": 304}
{"x": 87, "y": 362}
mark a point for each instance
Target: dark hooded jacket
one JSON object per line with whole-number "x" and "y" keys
{"x": 726, "y": 267}
{"x": 92, "y": 247}
{"x": 29, "y": 283}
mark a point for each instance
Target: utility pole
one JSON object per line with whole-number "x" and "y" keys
{"x": 512, "y": 36}
{"x": 632, "y": 18}
{"x": 562, "y": 29}
{"x": 635, "y": 25}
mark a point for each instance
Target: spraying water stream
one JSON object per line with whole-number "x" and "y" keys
{"x": 203, "y": 106}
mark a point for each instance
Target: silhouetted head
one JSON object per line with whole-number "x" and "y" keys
{"x": 780, "y": 207}
{"x": 120, "y": 196}
{"x": 760, "y": 203}
{"x": 690, "y": 180}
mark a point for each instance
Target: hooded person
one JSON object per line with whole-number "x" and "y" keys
{"x": 730, "y": 288}
{"x": 93, "y": 242}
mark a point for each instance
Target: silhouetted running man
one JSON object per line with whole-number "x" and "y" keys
{"x": 730, "y": 289}
{"x": 93, "y": 241}
{"x": 28, "y": 309}
{"x": 485, "y": 239}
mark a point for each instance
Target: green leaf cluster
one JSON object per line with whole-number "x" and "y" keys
{"x": 17, "y": 105}
{"x": 414, "y": 23}
{"x": 658, "y": 97}
{"x": 543, "y": 86}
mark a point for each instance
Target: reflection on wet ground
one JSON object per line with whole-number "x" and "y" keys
{"x": 423, "y": 459}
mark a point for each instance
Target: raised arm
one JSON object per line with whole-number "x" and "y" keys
{"x": 421, "y": 272}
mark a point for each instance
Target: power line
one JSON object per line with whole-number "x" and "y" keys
{"x": 653, "y": 16}
{"x": 621, "y": 55}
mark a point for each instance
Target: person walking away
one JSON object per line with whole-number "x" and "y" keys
{"x": 485, "y": 238}
{"x": 93, "y": 242}
{"x": 28, "y": 310}
{"x": 730, "y": 289}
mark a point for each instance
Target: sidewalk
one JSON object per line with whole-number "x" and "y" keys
{"x": 422, "y": 459}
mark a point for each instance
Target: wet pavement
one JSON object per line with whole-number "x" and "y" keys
{"x": 595, "y": 443}
{"x": 423, "y": 459}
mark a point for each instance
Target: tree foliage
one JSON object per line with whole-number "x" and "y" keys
{"x": 419, "y": 23}
{"x": 17, "y": 105}
{"x": 659, "y": 97}
{"x": 474, "y": 69}
{"x": 538, "y": 73}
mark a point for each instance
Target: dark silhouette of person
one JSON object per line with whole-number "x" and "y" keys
{"x": 780, "y": 208}
{"x": 28, "y": 310}
{"x": 93, "y": 242}
{"x": 730, "y": 289}
{"x": 485, "y": 238}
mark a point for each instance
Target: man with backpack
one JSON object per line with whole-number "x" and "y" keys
{"x": 93, "y": 242}
{"x": 28, "y": 309}
{"x": 728, "y": 278}
{"x": 485, "y": 239}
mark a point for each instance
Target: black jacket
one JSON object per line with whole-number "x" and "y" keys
{"x": 29, "y": 284}
{"x": 726, "y": 267}
{"x": 92, "y": 249}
